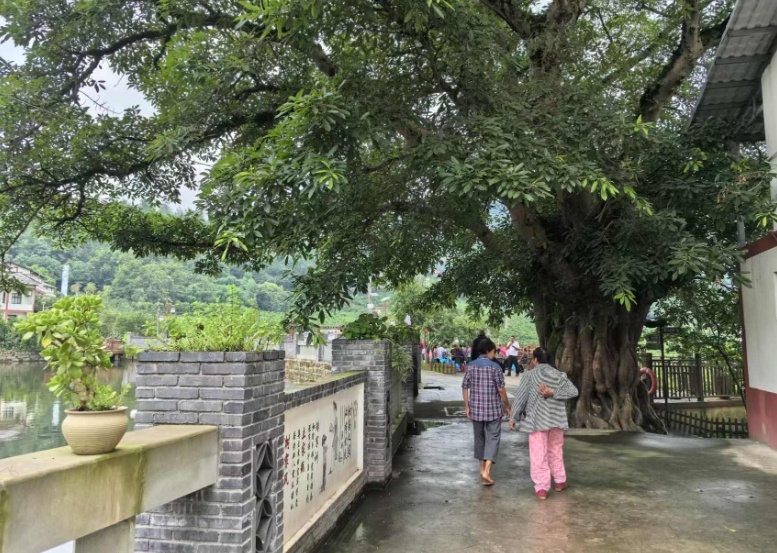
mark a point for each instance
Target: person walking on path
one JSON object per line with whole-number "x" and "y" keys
{"x": 485, "y": 398}
{"x": 541, "y": 398}
{"x": 513, "y": 351}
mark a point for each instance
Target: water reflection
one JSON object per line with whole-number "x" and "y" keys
{"x": 30, "y": 415}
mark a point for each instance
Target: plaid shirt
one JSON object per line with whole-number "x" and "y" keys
{"x": 483, "y": 378}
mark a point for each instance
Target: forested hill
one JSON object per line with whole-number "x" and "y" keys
{"x": 94, "y": 267}
{"x": 135, "y": 290}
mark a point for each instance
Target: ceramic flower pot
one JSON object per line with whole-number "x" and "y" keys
{"x": 94, "y": 432}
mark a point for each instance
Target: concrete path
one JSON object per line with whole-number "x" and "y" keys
{"x": 439, "y": 396}
{"x": 628, "y": 493}
{"x": 440, "y": 390}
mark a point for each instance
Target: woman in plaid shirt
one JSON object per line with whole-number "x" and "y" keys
{"x": 485, "y": 400}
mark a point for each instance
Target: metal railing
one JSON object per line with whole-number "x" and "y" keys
{"x": 691, "y": 378}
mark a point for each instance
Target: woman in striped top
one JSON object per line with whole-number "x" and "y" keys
{"x": 541, "y": 401}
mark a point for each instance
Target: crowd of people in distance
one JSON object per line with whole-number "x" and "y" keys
{"x": 510, "y": 357}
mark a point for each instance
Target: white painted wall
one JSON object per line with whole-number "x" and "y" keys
{"x": 316, "y": 473}
{"x": 26, "y": 306}
{"x": 769, "y": 90}
{"x": 760, "y": 313}
{"x": 760, "y": 300}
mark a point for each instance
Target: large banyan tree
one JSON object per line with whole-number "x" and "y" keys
{"x": 538, "y": 151}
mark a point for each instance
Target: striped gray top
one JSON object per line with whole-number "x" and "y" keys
{"x": 541, "y": 413}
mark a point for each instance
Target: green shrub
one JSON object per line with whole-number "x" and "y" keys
{"x": 366, "y": 327}
{"x": 218, "y": 327}
{"x": 73, "y": 347}
{"x": 370, "y": 327}
{"x": 115, "y": 323}
{"x": 131, "y": 351}
{"x": 10, "y": 339}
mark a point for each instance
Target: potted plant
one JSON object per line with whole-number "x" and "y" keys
{"x": 73, "y": 348}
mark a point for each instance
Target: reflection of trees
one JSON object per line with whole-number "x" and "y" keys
{"x": 18, "y": 381}
{"x": 26, "y": 383}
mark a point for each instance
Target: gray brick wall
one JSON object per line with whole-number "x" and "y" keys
{"x": 337, "y": 508}
{"x": 408, "y": 392}
{"x": 374, "y": 358}
{"x": 242, "y": 394}
{"x": 304, "y": 370}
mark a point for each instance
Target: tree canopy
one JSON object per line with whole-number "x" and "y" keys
{"x": 539, "y": 151}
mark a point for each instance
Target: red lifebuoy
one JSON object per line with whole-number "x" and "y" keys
{"x": 653, "y": 380}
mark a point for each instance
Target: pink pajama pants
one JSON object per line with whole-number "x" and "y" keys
{"x": 546, "y": 453}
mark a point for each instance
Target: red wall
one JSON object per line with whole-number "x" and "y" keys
{"x": 762, "y": 416}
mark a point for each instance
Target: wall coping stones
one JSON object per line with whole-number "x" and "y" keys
{"x": 301, "y": 394}
{"x": 361, "y": 344}
{"x": 44, "y": 494}
{"x": 243, "y": 356}
{"x": 158, "y": 356}
{"x": 208, "y": 356}
{"x": 202, "y": 357}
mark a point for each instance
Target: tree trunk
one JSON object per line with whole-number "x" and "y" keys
{"x": 600, "y": 357}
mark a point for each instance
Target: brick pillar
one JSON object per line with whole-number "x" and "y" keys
{"x": 242, "y": 394}
{"x": 416, "y": 369}
{"x": 375, "y": 359}
{"x": 409, "y": 386}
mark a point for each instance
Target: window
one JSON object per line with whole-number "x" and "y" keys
{"x": 16, "y": 298}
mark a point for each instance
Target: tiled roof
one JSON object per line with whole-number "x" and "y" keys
{"x": 733, "y": 88}
{"x": 30, "y": 278}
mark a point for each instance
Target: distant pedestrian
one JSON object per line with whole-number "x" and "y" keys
{"x": 485, "y": 400}
{"x": 442, "y": 353}
{"x": 511, "y": 359}
{"x": 541, "y": 401}
{"x": 524, "y": 359}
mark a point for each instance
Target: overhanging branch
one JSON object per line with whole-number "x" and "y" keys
{"x": 694, "y": 43}
{"x": 519, "y": 20}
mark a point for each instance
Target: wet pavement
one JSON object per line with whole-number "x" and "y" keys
{"x": 628, "y": 493}
{"x": 439, "y": 395}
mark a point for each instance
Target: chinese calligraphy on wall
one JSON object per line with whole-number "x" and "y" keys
{"x": 322, "y": 450}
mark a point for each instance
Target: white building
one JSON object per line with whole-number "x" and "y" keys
{"x": 15, "y": 304}
{"x": 742, "y": 88}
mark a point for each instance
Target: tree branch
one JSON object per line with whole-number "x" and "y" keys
{"x": 186, "y": 21}
{"x": 694, "y": 42}
{"x": 604, "y": 27}
{"x": 563, "y": 12}
{"x": 528, "y": 226}
{"x": 640, "y": 56}
{"x": 484, "y": 234}
{"x": 520, "y": 21}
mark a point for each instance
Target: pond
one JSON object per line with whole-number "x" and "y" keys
{"x": 30, "y": 415}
